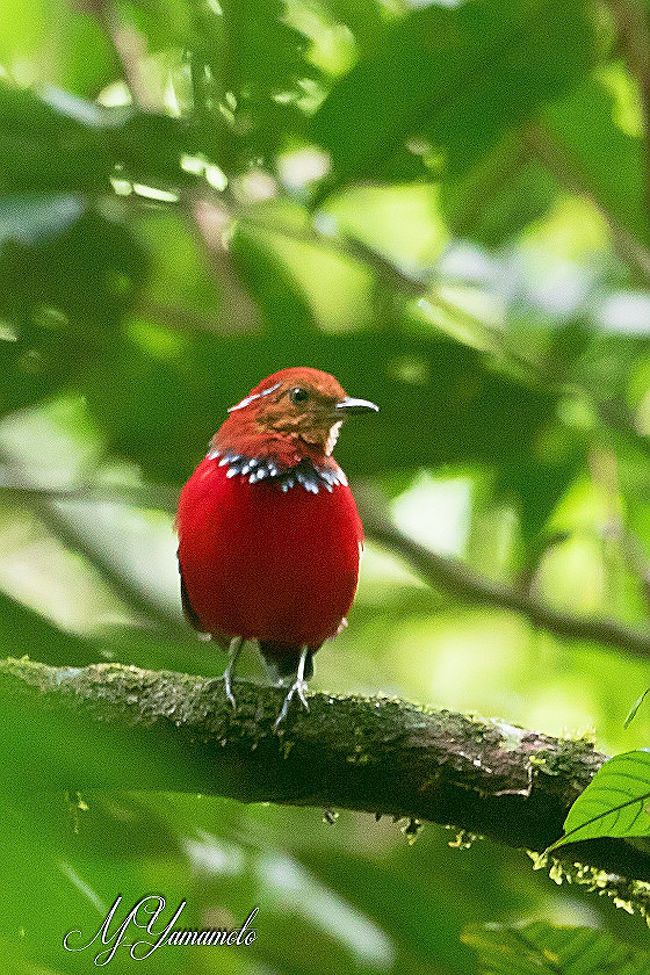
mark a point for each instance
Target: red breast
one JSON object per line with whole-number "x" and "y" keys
{"x": 257, "y": 561}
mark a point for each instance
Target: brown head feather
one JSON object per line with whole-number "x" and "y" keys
{"x": 291, "y": 414}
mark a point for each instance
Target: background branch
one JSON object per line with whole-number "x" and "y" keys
{"x": 207, "y": 220}
{"x": 455, "y": 577}
{"x": 548, "y": 150}
{"x": 631, "y": 19}
{"x": 112, "y": 726}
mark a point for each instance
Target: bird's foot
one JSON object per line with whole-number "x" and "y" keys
{"x": 228, "y": 688}
{"x": 234, "y": 651}
{"x": 298, "y": 687}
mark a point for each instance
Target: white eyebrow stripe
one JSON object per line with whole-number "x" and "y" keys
{"x": 249, "y": 399}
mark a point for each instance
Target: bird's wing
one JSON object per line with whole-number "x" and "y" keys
{"x": 188, "y": 610}
{"x": 192, "y": 618}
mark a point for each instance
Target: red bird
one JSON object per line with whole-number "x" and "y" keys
{"x": 269, "y": 533}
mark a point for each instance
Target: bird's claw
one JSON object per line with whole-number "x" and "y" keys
{"x": 228, "y": 690}
{"x": 298, "y": 687}
{"x": 301, "y": 687}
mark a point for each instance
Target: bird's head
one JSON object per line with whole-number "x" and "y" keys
{"x": 300, "y": 405}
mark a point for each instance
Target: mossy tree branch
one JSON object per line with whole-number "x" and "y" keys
{"x": 112, "y": 726}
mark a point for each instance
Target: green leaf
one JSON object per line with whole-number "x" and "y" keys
{"x": 456, "y": 79}
{"x": 54, "y": 42}
{"x": 60, "y": 142}
{"x": 499, "y": 196}
{"x": 67, "y": 274}
{"x": 635, "y": 707}
{"x": 45, "y": 148}
{"x": 614, "y": 804}
{"x": 249, "y": 102}
{"x": 605, "y": 149}
{"x": 540, "y": 948}
{"x": 26, "y": 631}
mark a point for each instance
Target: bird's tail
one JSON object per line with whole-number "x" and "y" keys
{"x": 282, "y": 659}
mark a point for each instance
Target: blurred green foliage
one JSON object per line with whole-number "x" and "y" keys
{"x": 445, "y": 204}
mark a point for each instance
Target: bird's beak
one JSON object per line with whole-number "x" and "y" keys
{"x": 352, "y": 405}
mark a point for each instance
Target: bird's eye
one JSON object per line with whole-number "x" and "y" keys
{"x": 298, "y": 395}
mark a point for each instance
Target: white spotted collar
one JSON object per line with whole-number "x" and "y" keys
{"x": 306, "y": 474}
